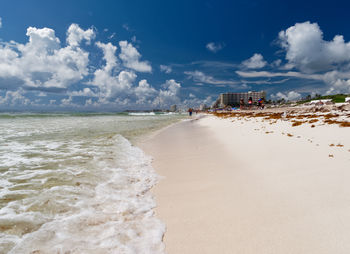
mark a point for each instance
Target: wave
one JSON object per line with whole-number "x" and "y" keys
{"x": 80, "y": 197}
{"x": 142, "y": 114}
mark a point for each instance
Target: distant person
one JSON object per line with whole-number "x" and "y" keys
{"x": 250, "y": 102}
{"x": 241, "y": 104}
{"x": 262, "y": 103}
{"x": 190, "y": 111}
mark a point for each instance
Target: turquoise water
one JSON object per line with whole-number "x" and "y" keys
{"x": 75, "y": 183}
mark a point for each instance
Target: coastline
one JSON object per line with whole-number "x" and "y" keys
{"x": 242, "y": 186}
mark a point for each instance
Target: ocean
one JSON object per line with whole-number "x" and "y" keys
{"x": 75, "y": 183}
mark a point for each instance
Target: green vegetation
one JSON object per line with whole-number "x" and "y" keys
{"x": 335, "y": 98}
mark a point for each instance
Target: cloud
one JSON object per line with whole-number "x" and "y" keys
{"x": 165, "y": 68}
{"x": 112, "y": 87}
{"x": 211, "y": 65}
{"x": 108, "y": 55}
{"x": 131, "y": 58}
{"x": 75, "y": 35}
{"x": 200, "y": 77}
{"x": 339, "y": 81}
{"x": 42, "y": 63}
{"x": 308, "y": 51}
{"x": 214, "y": 47}
{"x": 66, "y": 101}
{"x": 0, "y": 22}
{"x": 290, "y": 96}
{"x": 312, "y": 57}
{"x": 13, "y": 98}
{"x": 29, "y": 71}
{"x": 276, "y": 63}
{"x": 194, "y": 102}
{"x": 169, "y": 95}
{"x": 145, "y": 93}
{"x": 86, "y": 92}
{"x": 267, "y": 74}
{"x": 110, "y": 83}
{"x": 255, "y": 62}
{"x": 116, "y": 85}
{"x": 264, "y": 82}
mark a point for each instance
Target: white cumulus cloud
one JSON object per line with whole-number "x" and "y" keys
{"x": 309, "y": 52}
{"x": 86, "y": 92}
{"x": 145, "y": 93}
{"x": 108, "y": 55}
{"x": 75, "y": 35}
{"x": 111, "y": 83}
{"x": 310, "y": 57}
{"x": 169, "y": 94}
{"x": 43, "y": 65}
{"x": 290, "y": 96}
{"x": 117, "y": 85}
{"x": 131, "y": 58}
{"x": 193, "y": 102}
{"x": 255, "y": 62}
{"x": 42, "y": 62}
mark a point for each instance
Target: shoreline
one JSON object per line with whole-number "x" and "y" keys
{"x": 222, "y": 191}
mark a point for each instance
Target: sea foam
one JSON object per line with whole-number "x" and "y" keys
{"x": 112, "y": 215}
{"x": 75, "y": 187}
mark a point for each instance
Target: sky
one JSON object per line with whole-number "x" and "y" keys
{"x": 86, "y": 55}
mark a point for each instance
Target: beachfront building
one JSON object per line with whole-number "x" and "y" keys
{"x": 233, "y": 99}
{"x": 173, "y": 108}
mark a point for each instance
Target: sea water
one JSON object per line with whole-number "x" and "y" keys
{"x": 74, "y": 183}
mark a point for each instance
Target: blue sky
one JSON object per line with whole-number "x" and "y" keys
{"x": 116, "y": 55}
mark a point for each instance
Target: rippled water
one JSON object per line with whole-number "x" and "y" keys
{"x": 75, "y": 184}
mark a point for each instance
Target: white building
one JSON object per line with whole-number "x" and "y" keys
{"x": 233, "y": 99}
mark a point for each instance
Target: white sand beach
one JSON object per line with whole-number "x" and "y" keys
{"x": 249, "y": 185}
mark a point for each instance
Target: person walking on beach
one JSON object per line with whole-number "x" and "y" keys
{"x": 261, "y": 103}
{"x": 250, "y": 102}
{"x": 190, "y": 111}
{"x": 241, "y": 104}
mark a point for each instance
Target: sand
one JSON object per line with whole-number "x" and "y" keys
{"x": 248, "y": 186}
